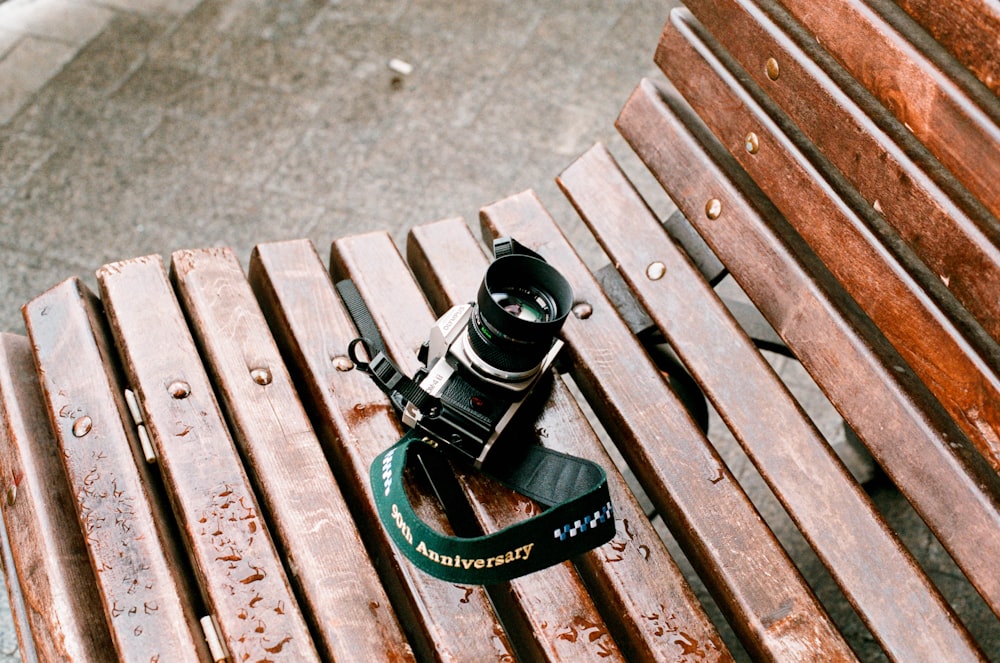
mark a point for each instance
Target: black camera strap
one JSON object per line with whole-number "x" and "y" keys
{"x": 577, "y": 514}
{"x": 392, "y": 381}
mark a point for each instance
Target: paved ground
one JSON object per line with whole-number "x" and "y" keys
{"x": 130, "y": 127}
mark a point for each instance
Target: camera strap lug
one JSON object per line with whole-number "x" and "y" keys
{"x": 508, "y": 246}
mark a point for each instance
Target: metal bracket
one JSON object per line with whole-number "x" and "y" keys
{"x": 213, "y": 636}
{"x": 140, "y": 426}
{"x": 684, "y": 234}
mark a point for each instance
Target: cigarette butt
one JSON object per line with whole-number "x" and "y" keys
{"x": 401, "y": 66}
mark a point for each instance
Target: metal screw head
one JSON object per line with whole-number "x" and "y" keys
{"x": 261, "y": 376}
{"x": 713, "y": 208}
{"x": 751, "y": 143}
{"x": 82, "y": 426}
{"x": 179, "y": 389}
{"x": 583, "y": 310}
{"x": 342, "y": 363}
{"x": 656, "y": 271}
{"x": 771, "y": 69}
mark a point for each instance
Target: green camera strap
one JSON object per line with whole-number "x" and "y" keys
{"x": 578, "y": 517}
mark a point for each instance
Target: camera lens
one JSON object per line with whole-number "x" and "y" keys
{"x": 522, "y": 303}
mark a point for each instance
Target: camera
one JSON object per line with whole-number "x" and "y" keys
{"x": 482, "y": 359}
{"x": 480, "y": 364}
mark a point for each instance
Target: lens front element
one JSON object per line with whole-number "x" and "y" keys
{"x": 529, "y": 304}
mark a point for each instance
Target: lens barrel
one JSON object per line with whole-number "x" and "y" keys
{"x": 521, "y": 306}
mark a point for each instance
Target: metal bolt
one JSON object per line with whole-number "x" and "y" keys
{"x": 82, "y": 426}
{"x": 772, "y": 69}
{"x": 261, "y": 376}
{"x": 179, "y": 389}
{"x": 342, "y": 363}
{"x": 655, "y": 271}
{"x": 713, "y": 208}
{"x": 583, "y": 310}
{"x": 751, "y": 143}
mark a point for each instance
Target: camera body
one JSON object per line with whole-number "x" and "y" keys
{"x": 482, "y": 359}
{"x": 474, "y": 406}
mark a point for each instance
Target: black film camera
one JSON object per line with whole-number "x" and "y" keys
{"x": 482, "y": 359}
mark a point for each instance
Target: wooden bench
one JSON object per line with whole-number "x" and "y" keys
{"x": 185, "y": 453}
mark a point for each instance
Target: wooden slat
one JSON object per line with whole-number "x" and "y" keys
{"x": 55, "y": 617}
{"x": 355, "y": 423}
{"x": 913, "y": 88}
{"x": 220, "y": 520}
{"x": 765, "y": 599}
{"x": 18, "y": 607}
{"x": 958, "y": 242}
{"x": 834, "y": 514}
{"x": 920, "y": 447}
{"x": 306, "y": 512}
{"x": 957, "y": 361}
{"x": 148, "y": 605}
{"x": 970, "y": 29}
{"x": 639, "y": 589}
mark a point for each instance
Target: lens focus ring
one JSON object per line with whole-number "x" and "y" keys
{"x": 501, "y": 353}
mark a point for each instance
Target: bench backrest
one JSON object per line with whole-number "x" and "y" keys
{"x": 831, "y": 159}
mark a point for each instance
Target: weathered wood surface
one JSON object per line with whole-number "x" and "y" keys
{"x": 949, "y": 351}
{"x": 355, "y": 422}
{"x": 918, "y": 93}
{"x": 550, "y": 610}
{"x": 306, "y": 512}
{"x": 969, "y": 29}
{"x": 775, "y": 614}
{"x": 245, "y": 585}
{"x": 958, "y": 240}
{"x": 914, "y": 440}
{"x": 639, "y": 589}
{"x": 830, "y": 508}
{"x": 56, "y": 619}
{"x": 143, "y": 589}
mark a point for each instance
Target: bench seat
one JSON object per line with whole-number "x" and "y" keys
{"x": 185, "y": 451}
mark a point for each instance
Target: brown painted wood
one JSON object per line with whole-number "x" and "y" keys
{"x": 969, "y": 29}
{"x": 834, "y": 514}
{"x": 639, "y": 589}
{"x": 355, "y": 423}
{"x": 914, "y": 89}
{"x": 919, "y": 446}
{"x": 957, "y": 361}
{"x": 773, "y": 611}
{"x": 221, "y": 522}
{"x": 959, "y": 242}
{"x": 306, "y": 512}
{"x": 146, "y": 601}
{"x": 55, "y": 616}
